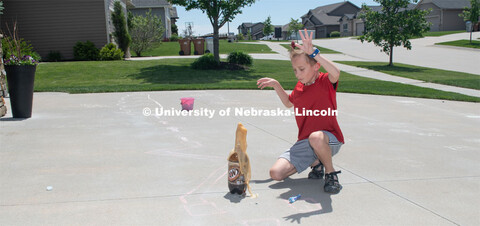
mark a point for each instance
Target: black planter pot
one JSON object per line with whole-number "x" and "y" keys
{"x": 20, "y": 81}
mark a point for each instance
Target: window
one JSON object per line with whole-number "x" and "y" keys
{"x": 345, "y": 27}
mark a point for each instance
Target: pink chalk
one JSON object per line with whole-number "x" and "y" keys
{"x": 187, "y": 103}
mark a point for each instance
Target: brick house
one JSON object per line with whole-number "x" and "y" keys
{"x": 326, "y": 19}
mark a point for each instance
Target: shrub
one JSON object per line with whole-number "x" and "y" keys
{"x": 54, "y": 56}
{"x": 240, "y": 36}
{"x": 110, "y": 52}
{"x": 174, "y": 38}
{"x": 239, "y": 57}
{"x": 85, "y": 51}
{"x": 121, "y": 34}
{"x": 205, "y": 62}
{"x": 334, "y": 34}
{"x": 145, "y": 32}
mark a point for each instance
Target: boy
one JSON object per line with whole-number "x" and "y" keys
{"x": 319, "y": 137}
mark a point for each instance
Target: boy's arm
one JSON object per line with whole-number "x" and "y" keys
{"x": 333, "y": 71}
{"x": 270, "y": 82}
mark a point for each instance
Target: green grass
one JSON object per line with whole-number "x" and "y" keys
{"x": 441, "y": 33}
{"x": 432, "y": 75}
{"x": 462, "y": 43}
{"x": 172, "y": 48}
{"x": 175, "y": 74}
{"x": 322, "y": 50}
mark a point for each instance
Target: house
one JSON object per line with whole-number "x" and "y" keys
{"x": 358, "y": 25}
{"x": 255, "y": 29}
{"x": 57, "y": 25}
{"x": 444, "y": 15}
{"x": 160, "y": 8}
{"x": 346, "y": 25}
{"x": 326, "y": 19}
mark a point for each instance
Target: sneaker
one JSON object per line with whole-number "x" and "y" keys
{"x": 331, "y": 183}
{"x": 317, "y": 172}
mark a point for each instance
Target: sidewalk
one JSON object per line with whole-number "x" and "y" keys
{"x": 359, "y": 55}
{"x": 406, "y": 161}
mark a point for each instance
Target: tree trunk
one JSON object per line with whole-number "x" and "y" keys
{"x": 391, "y": 56}
{"x": 216, "y": 41}
{"x": 471, "y": 36}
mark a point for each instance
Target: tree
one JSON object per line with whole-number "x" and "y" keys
{"x": 293, "y": 27}
{"x": 218, "y": 11}
{"x": 146, "y": 30}
{"x": 122, "y": 37}
{"x": 268, "y": 27}
{"x": 394, "y": 25}
{"x": 471, "y": 14}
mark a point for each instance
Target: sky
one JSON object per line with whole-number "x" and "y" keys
{"x": 280, "y": 11}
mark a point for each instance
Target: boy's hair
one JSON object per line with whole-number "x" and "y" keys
{"x": 298, "y": 52}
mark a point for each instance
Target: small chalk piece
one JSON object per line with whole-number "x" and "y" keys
{"x": 49, "y": 188}
{"x": 294, "y": 198}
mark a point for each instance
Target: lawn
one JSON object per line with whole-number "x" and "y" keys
{"x": 462, "y": 43}
{"x": 441, "y": 33}
{"x": 175, "y": 74}
{"x": 322, "y": 50}
{"x": 432, "y": 75}
{"x": 172, "y": 48}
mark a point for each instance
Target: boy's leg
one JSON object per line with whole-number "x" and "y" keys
{"x": 282, "y": 169}
{"x": 319, "y": 142}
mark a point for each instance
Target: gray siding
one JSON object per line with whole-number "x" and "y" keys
{"x": 56, "y": 25}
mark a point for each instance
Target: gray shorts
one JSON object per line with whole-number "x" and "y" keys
{"x": 302, "y": 156}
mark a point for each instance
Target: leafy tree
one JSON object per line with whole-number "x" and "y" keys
{"x": 393, "y": 25}
{"x": 267, "y": 26}
{"x": 146, "y": 30}
{"x": 471, "y": 14}
{"x": 249, "y": 35}
{"x": 122, "y": 37}
{"x": 293, "y": 27}
{"x": 218, "y": 11}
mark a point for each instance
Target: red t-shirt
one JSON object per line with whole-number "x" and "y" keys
{"x": 318, "y": 100}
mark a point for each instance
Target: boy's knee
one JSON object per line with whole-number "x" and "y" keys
{"x": 318, "y": 137}
{"x": 276, "y": 174}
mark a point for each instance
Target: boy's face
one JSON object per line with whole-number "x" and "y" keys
{"x": 304, "y": 71}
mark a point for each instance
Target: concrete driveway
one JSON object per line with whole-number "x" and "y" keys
{"x": 406, "y": 161}
{"x": 424, "y": 52}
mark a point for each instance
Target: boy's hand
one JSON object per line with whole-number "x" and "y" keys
{"x": 267, "y": 82}
{"x": 307, "y": 46}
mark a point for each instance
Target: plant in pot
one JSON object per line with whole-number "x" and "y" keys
{"x": 20, "y": 64}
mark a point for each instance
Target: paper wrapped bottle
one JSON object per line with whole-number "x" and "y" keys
{"x": 239, "y": 172}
